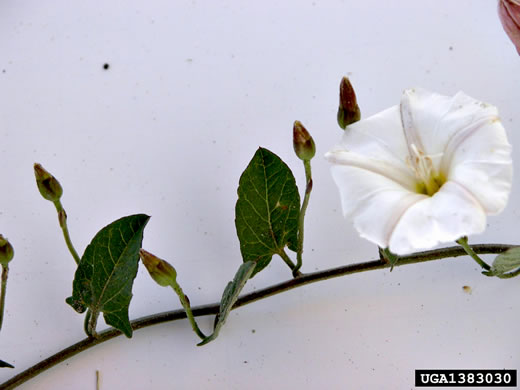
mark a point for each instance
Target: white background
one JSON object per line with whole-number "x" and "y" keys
{"x": 193, "y": 88}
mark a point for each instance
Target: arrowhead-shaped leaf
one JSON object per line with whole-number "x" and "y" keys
{"x": 229, "y": 297}
{"x": 507, "y": 261}
{"x": 5, "y": 364}
{"x": 267, "y": 209}
{"x": 105, "y": 275}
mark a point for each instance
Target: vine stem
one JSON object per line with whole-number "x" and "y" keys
{"x": 203, "y": 310}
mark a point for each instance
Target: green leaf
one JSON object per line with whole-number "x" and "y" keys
{"x": 105, "y": 275}
{"x": 229, "y": 297}
{"x": 5, "y": 364}
{"x": 267, "y": 209}
{"x": 505, "y": 262}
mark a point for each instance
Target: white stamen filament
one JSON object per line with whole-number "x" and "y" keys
{"x": 423, "y": 167}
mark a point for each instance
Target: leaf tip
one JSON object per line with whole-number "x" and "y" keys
{"x": 76, "y": 304}
{"x": 5, "y": 364}
{"x": 206, "y": 341}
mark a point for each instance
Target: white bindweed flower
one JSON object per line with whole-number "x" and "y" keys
{"x": 425, "y": 172}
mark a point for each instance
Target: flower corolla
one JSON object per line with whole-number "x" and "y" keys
{"x": 424, "y": 172}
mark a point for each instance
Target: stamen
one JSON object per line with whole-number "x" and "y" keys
{"x": 422, "y": 166}
{"x": 421, "y": 163}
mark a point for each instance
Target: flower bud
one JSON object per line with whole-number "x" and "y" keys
{"x": 509, "y": 13}
{"x": 49, "y": 187}
{"x": 348, "y": 111}
{"x": 6, "y": 251}
{"x": 160, "y": 271}
{"x": 302, "y": 142}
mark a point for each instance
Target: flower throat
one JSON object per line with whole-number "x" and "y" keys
{"x": 429, "y": 181}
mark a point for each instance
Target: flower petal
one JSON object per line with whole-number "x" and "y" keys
{"x": 376, "y": 144}
{"x": 382, "y": 161}
{"x": 479, "y": 158}
{"x": 373, "y": 201}
{"x": 451, "y": 213}
{"x": 418, "y": 122}
{"x": 421, "y": 112}
{"x": 436, "y": 117}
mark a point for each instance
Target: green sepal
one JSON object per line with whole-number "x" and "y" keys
{"x": 49, "y": 187}
{"x": 388, "y": 257}
{"x": 6, "y": 251}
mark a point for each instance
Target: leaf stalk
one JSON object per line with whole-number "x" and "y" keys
{"x": 5, "y": 272}
{"x": 301, "y": 220}
{"x": 62, "y": 217}
{"x": 463, "y": 242}
{"x": 185, "y": 302}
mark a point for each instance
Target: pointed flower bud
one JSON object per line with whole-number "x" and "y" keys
{"x": 160, "y": 271}
{"x": 302, "y": 142}
{"x": 49, "y": 187}
{"x": 6, "y": 251}
{"x": 348, "y": 111}
{"x": 509, "y": 13}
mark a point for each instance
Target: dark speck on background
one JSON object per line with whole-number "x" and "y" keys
{"x": 106, "y": 66}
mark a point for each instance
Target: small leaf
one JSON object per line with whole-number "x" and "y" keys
{"x": 267, "y": 209}
{"x": 105, "y": 275}
{"x": 505, "y": 262}
{"x": 5, "y": 364}
{"x": 229, "y": 297}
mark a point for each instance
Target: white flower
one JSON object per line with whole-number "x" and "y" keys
{"x": 425, "y": 172}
